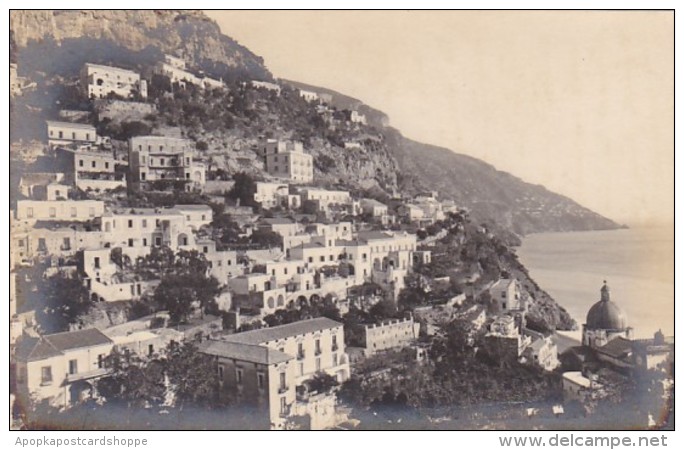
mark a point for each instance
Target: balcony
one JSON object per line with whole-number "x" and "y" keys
{"x": 301, "y": 355}
{"x": 282, "y": 389}
{"x": 335, "y": 347}
{"x": 318, "y": 352}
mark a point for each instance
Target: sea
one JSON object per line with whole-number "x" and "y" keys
{"x": 637, "y": 264}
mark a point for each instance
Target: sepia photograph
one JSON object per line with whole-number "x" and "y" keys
{"x": 342, "y": 220}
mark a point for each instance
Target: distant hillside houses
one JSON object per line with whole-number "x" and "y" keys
{"x": 100, "y": 81}
{"x": 175, "y": 68}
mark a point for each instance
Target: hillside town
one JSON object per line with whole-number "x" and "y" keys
{"x": 151, "y": 275}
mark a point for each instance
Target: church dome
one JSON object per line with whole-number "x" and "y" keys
{"x": 605, "y": 314}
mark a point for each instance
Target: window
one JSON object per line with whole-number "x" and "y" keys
{"x": 130, "y": 242}
{"x": 318, "y": 346}
{"x": 261, "y": 380}
{"x": 144, "y": 223}
{"x": 334, "y": 342}
{"x": 220, "y": 372}
{"x": 318, "y": 364}
{"x": 87, "y": 136}
{"x": 310, "y": 259}
{"x": 106, "y": 165}
{"x": 61, "y": 134}
{"x": 42, "y": 246}
{"x": 301, "y": 369}
{"x": 158, "y": 241}
{"x": 150, "y": 350}
{"x": 142, "y": 176}
{"x": 283, "y": 405}
{"x": 161, "y": 161}
{"x": 73, "y": 366}
{"x": 300, "y": 350}
{"x": 53, "y": 212}
{"x": 66, "y": 243}
{"x": 334, "y": 359}
{"x": 29, "y": 212}
{"x": 58, "y": 193}
{"x": 503, "y": 305}
{"x": 96, "y": 262}
{"x": 46, "y": 374}
{"x": 283, "y": 383}
{"x": 144, "y": 242}
{"x": 93, "y": 164}
{"x": 101, "y": 361}
{"x": 238, "y": 375}
{"x": 322, "y": 258}
{"x": 80, "y": 163}
{"x": 130, "y": 223}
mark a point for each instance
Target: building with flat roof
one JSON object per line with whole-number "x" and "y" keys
{"x": 164, "y": 159}
{"x": 98, "y": 81}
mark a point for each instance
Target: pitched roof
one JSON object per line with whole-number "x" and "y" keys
{"x": 75, "y": 339}
{"x": 617, "y": 348}
{"x": 283, "y": 331}
{"x": 34, "y": 349}
{"x": 244, "y": 352}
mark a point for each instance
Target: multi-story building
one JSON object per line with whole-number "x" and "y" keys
{"x": 285, "y": 159}
{"x": 99, "y": 81}
{"x": 60, "y": 368}
{"x": 325, "y": 198}
{"x": 70, "y": 134}
{"x": 507, "y": 297}
{"x": 63, "y": 210}
{"x": 176, "y": 70}
{"x": 159, "y": 158}
{"x": 264, "y": 367}
{"x": 375, "y": 209}
{"x": 92, "y": 169}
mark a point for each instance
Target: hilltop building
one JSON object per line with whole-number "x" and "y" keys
{"x": 99, "y": 81}
{"x": 287, "y": 160}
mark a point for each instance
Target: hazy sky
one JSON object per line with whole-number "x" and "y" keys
{"x": 581, "y": 102}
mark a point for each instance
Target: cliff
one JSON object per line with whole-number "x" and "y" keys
{"x": 188, "y": 34}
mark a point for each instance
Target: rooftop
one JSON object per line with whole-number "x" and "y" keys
{"x": 577, "y": 378}
{"x": 283, "y": 331}
{"x": 34, "y": 349}
{"x": 277, "y": 221}
{"x": 617, "y": 348}
{"x": 82, "y": 126}
{"x": 244, "y": 352}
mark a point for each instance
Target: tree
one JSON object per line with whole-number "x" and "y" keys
{"x": 321, "y": 383}
{"x": 133, "y": 382}
{"x": 185, "y": 285}
{"x": 266, "y": 238}
{"x": 384, "y": 309}
{"x": 65, "y": 299}
{"x": 192, "y": 375}
{"x": 243, "y": 190}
